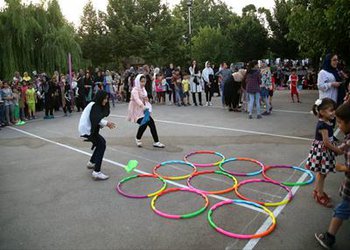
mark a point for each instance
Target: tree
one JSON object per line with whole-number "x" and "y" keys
{"x": 210, "y": 44}
{"x": 280, "y": 44}
{"x": 247, "y": 39}
{"x": 321, "y": 26}
{"x": 33, "y": 37}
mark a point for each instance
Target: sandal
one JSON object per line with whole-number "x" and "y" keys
{"x": 324, "y": 201}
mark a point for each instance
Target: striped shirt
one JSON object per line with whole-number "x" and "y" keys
{"x": 345, "y": 187}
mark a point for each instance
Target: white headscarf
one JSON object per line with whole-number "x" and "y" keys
{"x": 137, "y": 84}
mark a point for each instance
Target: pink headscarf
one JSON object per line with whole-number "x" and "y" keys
{"x": 138, "y": 84}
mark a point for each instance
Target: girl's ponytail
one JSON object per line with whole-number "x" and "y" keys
{"x": 314, "y": 109}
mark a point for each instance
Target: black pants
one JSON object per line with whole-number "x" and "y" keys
{"x": 98, "y": 153}
{"x": 172, "y": 92}
{"x": 152, "y": 127}
{"x": 199, "y": 97}
{"x": 48, "y": 107}
{"x": 80, "y": 102}
{"x": 67, "y": 107}
{"x": 208, "y": 92}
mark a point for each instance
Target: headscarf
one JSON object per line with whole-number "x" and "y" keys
{"x": 327, "y": 66}
{"x": 97, "y": 113}
{"x": 206, "y": 64}
{"x": 138, "y": 84}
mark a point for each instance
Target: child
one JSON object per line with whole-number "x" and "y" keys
{"x": 186, "y": 89}
{"x": 31, "y": 100}
{"x": 16, "y": 99}
{"x": 159, "y": 88}
{"x": 7, "y": 96}
{"x": 321, "y": 158}
{"x": 293, "y": 80}
{"x": 67, "y": 99}
{"x": 342, "y": 211}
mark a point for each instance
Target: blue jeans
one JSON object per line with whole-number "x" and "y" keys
{"x": 342, "y": 210}
{"x": 252, "y": 97}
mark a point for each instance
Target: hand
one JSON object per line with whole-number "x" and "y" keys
{"x": 111, "y": 125}
{"x": 335, "y": 84}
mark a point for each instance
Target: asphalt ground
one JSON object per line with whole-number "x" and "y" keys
{"x": 49, "y": 200}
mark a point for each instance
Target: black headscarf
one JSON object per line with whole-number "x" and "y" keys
{"x": 327, "y": 66}
{"x": 97, "y": 113}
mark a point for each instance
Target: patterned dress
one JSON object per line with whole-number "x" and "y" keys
{"x": 321, "y": 159}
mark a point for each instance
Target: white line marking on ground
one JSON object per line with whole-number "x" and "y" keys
{"x": 227, "y": 129}
{"x": 278, "y": 110}
{"x": 118, "y": 164}
{"x": 252, "y": 243}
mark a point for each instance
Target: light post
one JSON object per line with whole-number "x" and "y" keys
{"x": 189, "y": 5}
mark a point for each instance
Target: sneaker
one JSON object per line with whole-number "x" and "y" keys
{"x": 158, "y": 145}
{"x": 324, "y": 239}
{"x": 200, "y": 104}
{"x": 250, "y": 117}
{"x": 90, "y": 165}
{"x": 51, "y": 117}
{"x": 138, "y": 143}
{"x": 259, "y": 117}
{"x": 207, "y": 104}
{"x": 99, "y": 176}
{"x": 210, "y": 104}
{"x": 266, "y": 113}
{"x": 46, "y": 117}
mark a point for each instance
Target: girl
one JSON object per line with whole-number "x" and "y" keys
{"x": 159, "y": 88}
{"x": 321, "y": 158}
{"x": 293, "y": 80}
{"x": 137, "y": 106}
{"x": 90, "y": 123}
{"x": 253, "y": 82}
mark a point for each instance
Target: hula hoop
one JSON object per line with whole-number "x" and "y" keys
{"x": 266, "y": 204}
{"x": 308, "y": 172}
{"x": 205, "y": 152}
{"x": 241, "y": 236}
{"x": 175, "y": 216}
{"x": 213, "y": 172}
{"x": 242, "y": 159}
{"x": 119, "y": 189}
{"x": 174, "y": 177}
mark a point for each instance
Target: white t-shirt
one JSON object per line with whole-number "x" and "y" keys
{"x": 324, "y": 84}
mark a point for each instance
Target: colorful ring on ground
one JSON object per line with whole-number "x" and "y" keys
{"x": 174, "y": 177}
{"x": 241, "y": 236}
{"x": 205, "y": 152}
{"x": 119, "y": 189}
{"x": 175, "y": 216}
{"x": 308, "y": 172}
{"x": 242, "y": 159}
{"x": 266, "y": 204}
{"x": 213, "y": 172}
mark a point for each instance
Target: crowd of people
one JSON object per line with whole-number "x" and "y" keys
{"x": 23, "y": 96}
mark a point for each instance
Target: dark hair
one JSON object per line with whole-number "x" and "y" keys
{"x": 251, "y": 65}
{"x": 325, "y": 104}
{"x": 142, "y": 77}
{"x": 343, "y": 112}
{"x": 293, "y": 70}
{"x": 100, "y": 96}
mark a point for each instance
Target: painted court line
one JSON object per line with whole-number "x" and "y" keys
{"x": 227, "y": 129}
{"x": 278, "y": 110}
{"x": 118, "y": 164}
{"x": 252, "y": 243}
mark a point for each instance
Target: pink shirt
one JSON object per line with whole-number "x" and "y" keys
{"x": 136, "y": 104}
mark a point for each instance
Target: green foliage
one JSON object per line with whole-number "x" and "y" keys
{"x": 321, "y": 26}
{"x": 33, "y": 37}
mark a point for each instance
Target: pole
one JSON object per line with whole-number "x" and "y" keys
{"x": 190, "y": 31}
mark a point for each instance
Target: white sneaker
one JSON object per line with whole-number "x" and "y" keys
{"x": 210, "y": 104}
{"x": 90, "y": 165}
{"x": 158, "y": 145}
{"x": 207, "y": 104}
{"x": 138, "y": 143}
{"x": 99, "y": 176}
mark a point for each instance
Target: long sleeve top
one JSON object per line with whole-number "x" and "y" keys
{"x": 324, "y": 84}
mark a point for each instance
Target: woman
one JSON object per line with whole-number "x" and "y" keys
{"x": 195, "y": 82}
{"x": 328, "y": 80}
{"x": 138, "y": 105}
{"x": 90, "y": 123}
{"x": 253, "y": 82}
